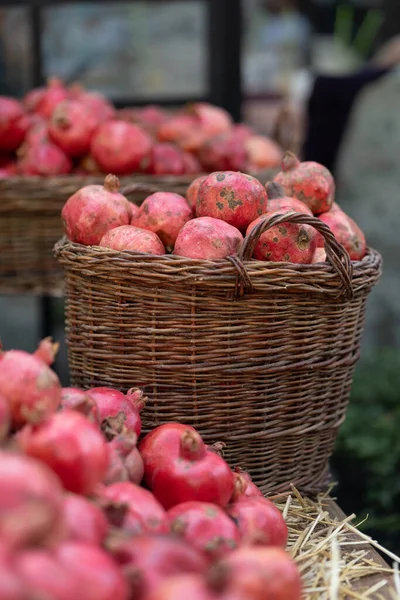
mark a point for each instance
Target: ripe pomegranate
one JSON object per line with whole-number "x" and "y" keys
{"x": 31, "y": 500}
{"x": 196, "y": 473}
{"x": 135, "y": 239}
{"x": 177, "y": 128}
{"x": 13, "y": 124}
{"x": 119, "y": 413}
{"x": 242, "y": 132}
{"x": 163, "y": 213}
{"x": 134, "y": 509}
{"x": 93, "y": 210}
{"x": 75, "y": 399}
{"x": 50, "y": 97}
{"x": 11, "y": 585}
{"x": 206, "y": 527}
{"x": 287, "y": 242}
{"x": 259, "y": 521}
{"x": 47, "y": 351}
{"x": 97, "y": 575}
{"x": 150, "y": 117}
{"x": 72, "y": 126}
{"x": 43, "y": 576}
{"x": 125, "y": 464}
{"x": 191, "y": 164}
{"x": 120, "y": 147}
{"x": 193, "y": 191}
{"x": 257, "y": 574}
{"x": 31, "y": 388}
{"x": 149, "y": 560}
{"x": 5, "y": 418}
{"x": 346, "y": 231}
{"x": 94, "y": 102}
{"x": 223, "y": 153}
{"x": 84, "y": 520}
{"x": 37, "y": 135}
{"x": 160, "y": 442}
{"x": 213, "y": 120}
{"x": 165, "y": 159}
{"x": 244, "y": 486}
{"x": 71, "y": 446}
{"x": 45, "y": 159}
{"x": 233, "y": 197}
{"x": 32, "y": 99}
{"x": 207, "y": 238}
{"x": 310, "y": 182}
{"x": 262, "y": 153}
{"x": 319, "y": 256}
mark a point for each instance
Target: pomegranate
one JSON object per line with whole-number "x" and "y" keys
{"x": 5, "y": 418}
{"x": 93, "y": 210}
{"x": 97, "y": 575}
{"x": 163, "y": 213}
{"x": 193, "y": 191}
{"x": 125, "y": 464}
{"x": 310, "y": 182}
{"x": 165, "y": 159}
{"x": 149, "y": 560}
{"x": 43, "y": 576}
{"x": 213, "y": 120}
{"x": 32, "y": 99}
{"x": 208, "y": 238}
{"x": 85, "y": 521}
{"x": 45, "y": 159}
{"x": 94, "y": 102}
{"x": 191, "y": 164}
{"x": 13, "y": 124}
{"x": 37, "y": 135}
{"x": 150, "y": 117}
{"x": 259, "y": 521}
{"x": 31, "y": 388}
{"x": 223, "y": 153}
{"x": 135, "y": 239}
{"x": 233, "y": 197}
{"x": 262, "y": 153}
{"x": 70, "y": 445}
{"x": 75, "y": 399}
{"x": 119, "y": 413}
{"x": 244, "y": 486}
{"x": 72, "y": 126}
{"x": 346, "y": 231}
{"x": 178, "y": 127}
{"x": 319, "y": 256}
{"x": 184, "y": 587}
{"x": 206, "y": 527}
{"x": 242, "y": 132}
{"x": 30, "y": 501}
{"x": 257, "y": 574}
{"x": 160, "y": 442}
{"x": 120, "y": 147}
{"x": 11, "y": 586}
{"x": 196, "y": 473}
{"x": 134, "y": 509}
{"x": 47, "y": 351}
{"x": 50, "y": 97}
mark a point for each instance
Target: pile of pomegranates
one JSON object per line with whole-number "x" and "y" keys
{"x": 57, "y": 130}
{"x": 219, "y": 209}
{"x": 92, "y": 509}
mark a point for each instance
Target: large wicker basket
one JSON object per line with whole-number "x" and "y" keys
{"x": 30, "y": 225}
{"x": 257, "y": 355}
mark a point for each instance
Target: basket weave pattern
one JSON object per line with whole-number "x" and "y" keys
{"x": 257, "y": 355}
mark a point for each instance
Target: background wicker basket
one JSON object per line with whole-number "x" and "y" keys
{"x": 30, "y": 225}
{"x": 257, "y": 355}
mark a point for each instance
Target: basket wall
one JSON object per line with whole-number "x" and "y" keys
{"x": 268, "y": 373}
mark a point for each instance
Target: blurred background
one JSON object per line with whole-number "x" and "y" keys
{"x": 331, "y": 68}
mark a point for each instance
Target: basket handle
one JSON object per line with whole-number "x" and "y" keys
{"x": 145, "y": 188}
{"x": 335, "y": 252}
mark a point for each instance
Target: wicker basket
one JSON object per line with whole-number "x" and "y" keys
{"x": 257, "y": 355}
{"x": 30, "y": 225}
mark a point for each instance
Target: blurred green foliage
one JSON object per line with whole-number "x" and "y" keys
{"x": 367, "y": 457}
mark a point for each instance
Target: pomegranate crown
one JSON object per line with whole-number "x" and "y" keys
{"x": 289, "y": 161}
{"x": 111, "y": 183}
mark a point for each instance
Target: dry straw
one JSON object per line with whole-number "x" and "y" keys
{"x": 333, "y": 556}
{"x": 257, "y": 355}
